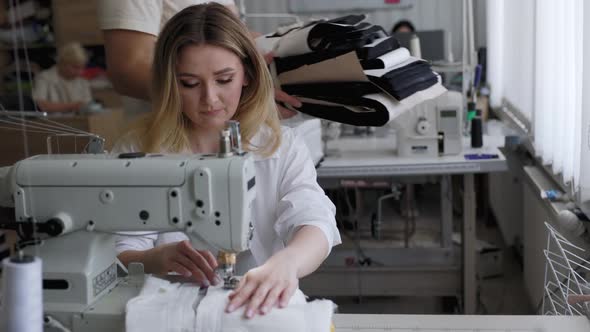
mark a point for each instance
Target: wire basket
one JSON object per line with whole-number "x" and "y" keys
{"x": 567, "y": 291}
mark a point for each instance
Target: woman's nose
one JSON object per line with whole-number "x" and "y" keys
{"x": 211, "y": 97}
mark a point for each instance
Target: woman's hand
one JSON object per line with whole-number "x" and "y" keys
{"x": 182, "y": 258}
{"x": 281, "y": 97}
{"x": 264, "y": 287}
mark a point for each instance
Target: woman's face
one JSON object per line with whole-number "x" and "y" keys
{"x": 210, "y": 80}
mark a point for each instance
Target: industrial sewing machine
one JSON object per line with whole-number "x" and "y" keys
{"x": 67, "y": 208}
{"x": 432, "y": 128}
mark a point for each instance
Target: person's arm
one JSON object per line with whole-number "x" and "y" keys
{"x": 179, "y": 257}
{"x": 129, "y": 61}
{"x": 50, "y": 107}
{"x": 276, "y": 280}
{"x": 305, "y": 223}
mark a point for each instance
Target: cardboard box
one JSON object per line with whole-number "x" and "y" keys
{"x": 490, "y": 258}
{"x": 15, "y": 145}
{"x": 108, "y": 97}
{"x": 483, "y": 104}
{"x": 3, "y": 12}
{"x": 490, "y": 261}
{"x": 76, "y": 21}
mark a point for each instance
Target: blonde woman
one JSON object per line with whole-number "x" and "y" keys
{"x": 207, "y": 71}
{"x": 62, "y": 88}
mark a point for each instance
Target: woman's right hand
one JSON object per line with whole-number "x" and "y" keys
{"x": 182, "y": 258}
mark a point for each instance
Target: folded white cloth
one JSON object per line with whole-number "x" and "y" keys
{"x": 163, "y": 306}
{"x": 393, "y": 58}
{"x": 181, "y": 307}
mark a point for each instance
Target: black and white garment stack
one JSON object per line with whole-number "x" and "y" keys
{"x": 4, "y": 249}
{"x": 5, "y": 201}
{"x": 349, "y": 71}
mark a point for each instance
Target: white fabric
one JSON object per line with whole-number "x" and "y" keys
{"x": 50, "y": 86}
{"x": 148, "y": 16}
{"x": 287, "y": 197}
{"x": 394, "y": 107}
{"x": 179, "y": 307}
{"x": 294, "y": 43}
{"x": 394, "y": 66}
{"x": 163, "y": 306}
{"x": 394, "y": 58}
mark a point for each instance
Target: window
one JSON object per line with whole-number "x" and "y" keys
{"x": 535, "y": 52}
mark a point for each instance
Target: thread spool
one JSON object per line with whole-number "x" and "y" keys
{"x": 415, "y": 49}
{"x": 22, "y": 294}
{"x": 476, "y": 131}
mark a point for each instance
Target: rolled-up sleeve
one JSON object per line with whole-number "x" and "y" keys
{"x": 301, "y": 200}
{"x": 136, "y": 15}
{"x": 138, "y": 241}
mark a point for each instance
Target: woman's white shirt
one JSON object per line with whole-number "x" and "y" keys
{"x": 287, "y": 197}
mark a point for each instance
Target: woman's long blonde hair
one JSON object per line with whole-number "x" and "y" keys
{"x": 166, "y": 128}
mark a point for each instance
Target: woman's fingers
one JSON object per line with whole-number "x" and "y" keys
{"x": 268, "y": 57}
{"x": 286, "y": 295}
{"x": 197, "y": 274}
{"x": 178, "y": 268}
{"x": 271, "y": 299}
{"x": 209, "y": 257}
{"x": 284, "y": 97}
{"x": 257, "y": 299}
{"x": 241, "y": 295}
{"x": 199, "y": 260}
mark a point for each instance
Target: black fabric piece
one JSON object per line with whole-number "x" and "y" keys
{"x": 293, "y": 62}
{"x": 375, "y": 113}
{"x": 377, "y": 63}
{"x": 4, "y": 254}
{"x": 351, "y": 20}
{"x": 332, "y": 90}
{"x": 407, "y": 78}
{"x": 367, "y": 32}
{"x": 351, "y": 39}
{"x": 372, "y": 64}
{"x": 317, "y": 36}
{"x": 407, "y": 87}
{"x": 385, "y": 46}
{"x": 343, "y": 115}
{"x": 348, "y": 19}
{"x": 409, "y": 69}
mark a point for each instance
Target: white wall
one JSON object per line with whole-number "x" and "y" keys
{"x": 424, "y": 14}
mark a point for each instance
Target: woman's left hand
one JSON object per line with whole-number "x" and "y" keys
{"x": 264, "y": 287}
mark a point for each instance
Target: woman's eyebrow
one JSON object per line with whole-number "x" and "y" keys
{"x": 219, "y": 72}
{"x": 224, "y": 71}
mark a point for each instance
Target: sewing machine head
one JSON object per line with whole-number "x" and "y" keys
{"x": 432, "y": 128}
{"x": 206, "y": 196}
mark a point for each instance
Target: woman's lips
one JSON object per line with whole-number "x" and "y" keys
{"x": 212, "y": 112}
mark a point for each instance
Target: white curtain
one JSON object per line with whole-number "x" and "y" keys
{"x": 540, "y": 46}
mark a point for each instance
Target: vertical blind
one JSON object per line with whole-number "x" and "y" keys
{"x": 536, "y": 51}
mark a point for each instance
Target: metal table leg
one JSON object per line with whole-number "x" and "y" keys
{"x": 446, "y": 211}
{"x": 469, "y": 250}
